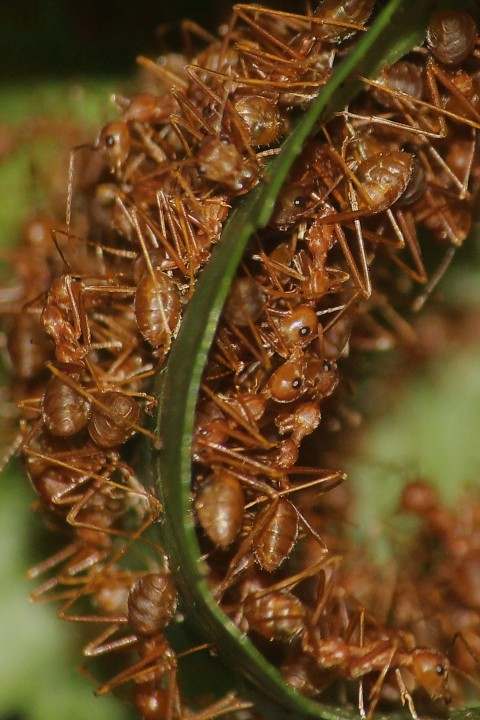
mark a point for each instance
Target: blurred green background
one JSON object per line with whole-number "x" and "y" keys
{"x": 59, "y": 63}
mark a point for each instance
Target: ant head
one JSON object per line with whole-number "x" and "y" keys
{"x": 431, "y": 670}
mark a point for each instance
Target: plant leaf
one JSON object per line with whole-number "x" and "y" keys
{"x": 395, "y": 31}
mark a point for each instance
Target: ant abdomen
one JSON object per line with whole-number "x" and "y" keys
{"x": 277, "y": 615}
{"x": 384, "y": 178}
{"x": 277, "y": 534}
{"x": 152, "y": 603}
{"x": 145, "y": 108}
{"x": 219, "y": 503}
{"x": 262, "y": 118}
{"x": 151, "y": 701}
{"x": 65, "y": 412}
{"x": 113, "y": 418}
{"x": 451, "y": 36}
{"x": 402, "y": 77}
{"x": 157, "y": 308}
{"x": 348, "y": 11}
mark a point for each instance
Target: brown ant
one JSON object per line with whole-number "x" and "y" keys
{"x": 451, "y": 36}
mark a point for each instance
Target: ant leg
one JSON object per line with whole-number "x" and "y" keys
{"x": 225, "y": 706}
{"x": 99, "y": 646}
{"x": 157, "y": 659}
{"x": 405, "y": 696}
{"x": 374, "y": 695}
{"x": 421, "y": 299}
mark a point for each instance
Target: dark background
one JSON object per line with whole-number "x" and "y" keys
{"x": 65, "y": 38}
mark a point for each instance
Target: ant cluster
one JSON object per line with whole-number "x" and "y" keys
{"x": 334, "y": 270}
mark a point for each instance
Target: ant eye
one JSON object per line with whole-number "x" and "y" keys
{"x": 440, "y": 669}
{"x": 297, "y": 383}
{"x": 304, "y": 331}
{"x": 109, "y": 141}
{"x": 299, "y": 202}
{"x": 326, "y": 365}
